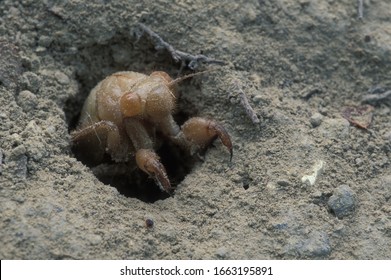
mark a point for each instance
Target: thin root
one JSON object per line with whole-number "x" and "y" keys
{"x": 186, "y": 59}
{"x": 246, "y": 105}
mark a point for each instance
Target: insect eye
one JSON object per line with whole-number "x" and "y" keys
{"x": 130, "y": 105}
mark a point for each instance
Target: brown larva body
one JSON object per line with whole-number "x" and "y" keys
{"x": 123, "y": 113}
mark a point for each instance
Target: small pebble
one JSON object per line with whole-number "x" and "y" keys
{"x": 343, "y": 201}
{"x": 222, "y": 252}
{"x": 149, "y": 223}
{"x": 94, "y": 239}
{"x": 30, "y": 81}
{"x": 18, "y": 162}
{"x": 45, "y": 41}
{"x": 17, "y": 152}
{"x": 358, "y": 161}
{"x": 20, "y": 167}
{"x": 316, "y": 119}
{"x": 283, "y": 182}
{"x": 31, "y": 63}
{"x": 61, "y": 77}
{"x": 259, "y": 98}
{"x": 27, "y": 100}
{"x": 317, "y": 245}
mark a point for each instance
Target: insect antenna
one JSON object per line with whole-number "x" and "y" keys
{"x": 180, "y": 79}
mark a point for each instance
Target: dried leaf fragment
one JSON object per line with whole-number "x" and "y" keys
{"x": 360, "y": 116}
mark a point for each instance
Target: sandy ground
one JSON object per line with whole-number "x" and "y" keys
{"x": 304, "y": 183}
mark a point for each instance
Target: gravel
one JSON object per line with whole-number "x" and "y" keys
{"x": 343, "y": 201}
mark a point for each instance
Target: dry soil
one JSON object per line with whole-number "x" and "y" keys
{"x": 304, "y": 183}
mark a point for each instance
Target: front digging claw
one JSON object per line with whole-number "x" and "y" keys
{"x": 149, "y": 162}
{"x": 201, "y": 132}
{"x": 222, "y": 134}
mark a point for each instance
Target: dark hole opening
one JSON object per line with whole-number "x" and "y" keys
{"x": 137, "y": 184}
{"x": 134, "y": 182}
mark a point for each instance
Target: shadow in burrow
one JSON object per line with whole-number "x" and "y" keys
{"x": 96, "y": 62}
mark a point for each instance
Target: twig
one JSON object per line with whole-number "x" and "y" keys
{"x": 375, "y": 98}
{"x": 1, "y": 162}
{"x": 360, "y": 9}
{"x": 186, "y": 59}
{"x": 246, "y": 105}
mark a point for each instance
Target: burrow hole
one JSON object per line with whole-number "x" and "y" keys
{"x": 97, "y": 62}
